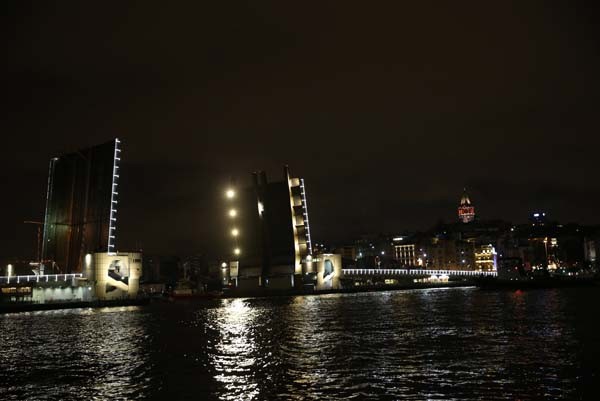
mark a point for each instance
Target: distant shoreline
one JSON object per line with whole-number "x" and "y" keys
{"x": 266, "y": 293}
{"x": 350, "y": 290}
{"x": 32, "y": 307}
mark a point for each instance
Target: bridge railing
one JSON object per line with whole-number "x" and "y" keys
{"x": 43, "y": 278}
{"x": 416, "y": 272}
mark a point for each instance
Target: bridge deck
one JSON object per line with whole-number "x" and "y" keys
{"x": 415, "y": 272}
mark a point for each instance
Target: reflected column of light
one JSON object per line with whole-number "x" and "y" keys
{"x": 233, "y": 359}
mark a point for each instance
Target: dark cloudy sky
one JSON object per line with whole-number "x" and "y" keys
{"x": 386, "y": 109}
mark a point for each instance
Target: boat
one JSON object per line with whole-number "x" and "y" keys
{"x": 184, "y": 290}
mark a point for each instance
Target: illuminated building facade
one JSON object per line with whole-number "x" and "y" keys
{"x": 485, "y": 258}
{"x": 466, "y": 210}
{"x": 405, "y": 254}
{"x": 269, "y": 231}
{"x": 81, "y": 206}
{"x": 446, "y": 254}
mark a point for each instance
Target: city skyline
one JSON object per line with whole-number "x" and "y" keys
{"x": 449, "y": 215}
{"x": 397, "y": 117}
{"x": 300, "y": 200}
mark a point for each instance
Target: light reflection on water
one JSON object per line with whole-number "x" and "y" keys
{"x": 59, "y": 354}
{"x": 233, "y": 356}
{"x": 418, "y": 344}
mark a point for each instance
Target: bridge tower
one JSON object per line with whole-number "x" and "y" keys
{"x": 466, "y": 209}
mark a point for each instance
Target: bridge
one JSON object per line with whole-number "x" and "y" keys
{"x": 38, "y": 278}
{"x": 415, "y": 272}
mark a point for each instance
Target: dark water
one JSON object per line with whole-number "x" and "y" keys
{"x": 421, "y": 344}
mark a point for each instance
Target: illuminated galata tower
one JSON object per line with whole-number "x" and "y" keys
{"x": 466, "y": 210}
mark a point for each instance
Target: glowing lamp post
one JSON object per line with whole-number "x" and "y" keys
{"x": 230, "y": 195}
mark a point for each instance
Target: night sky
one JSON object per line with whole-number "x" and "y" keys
{"x": 387, "y": 111}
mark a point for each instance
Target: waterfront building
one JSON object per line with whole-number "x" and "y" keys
{"x": 348, "y": 252}
{"x": 465, "y": 258}
{"x": 269, "y": 232}
{"x": 485, "y": 258}
{"x": 152, "y": 272}
{"x": 405, "y": 255}
{"x": 466, "y": 209}
{"x": 81, "y": 207}
{"x": 374, "y": 251}
{"x": 510, "y": 267}
{"x": 547, "y": 245}
{"x": 445, "y": 252}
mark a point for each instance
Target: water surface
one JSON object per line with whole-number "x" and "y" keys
{"x": 459, "y": 343}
